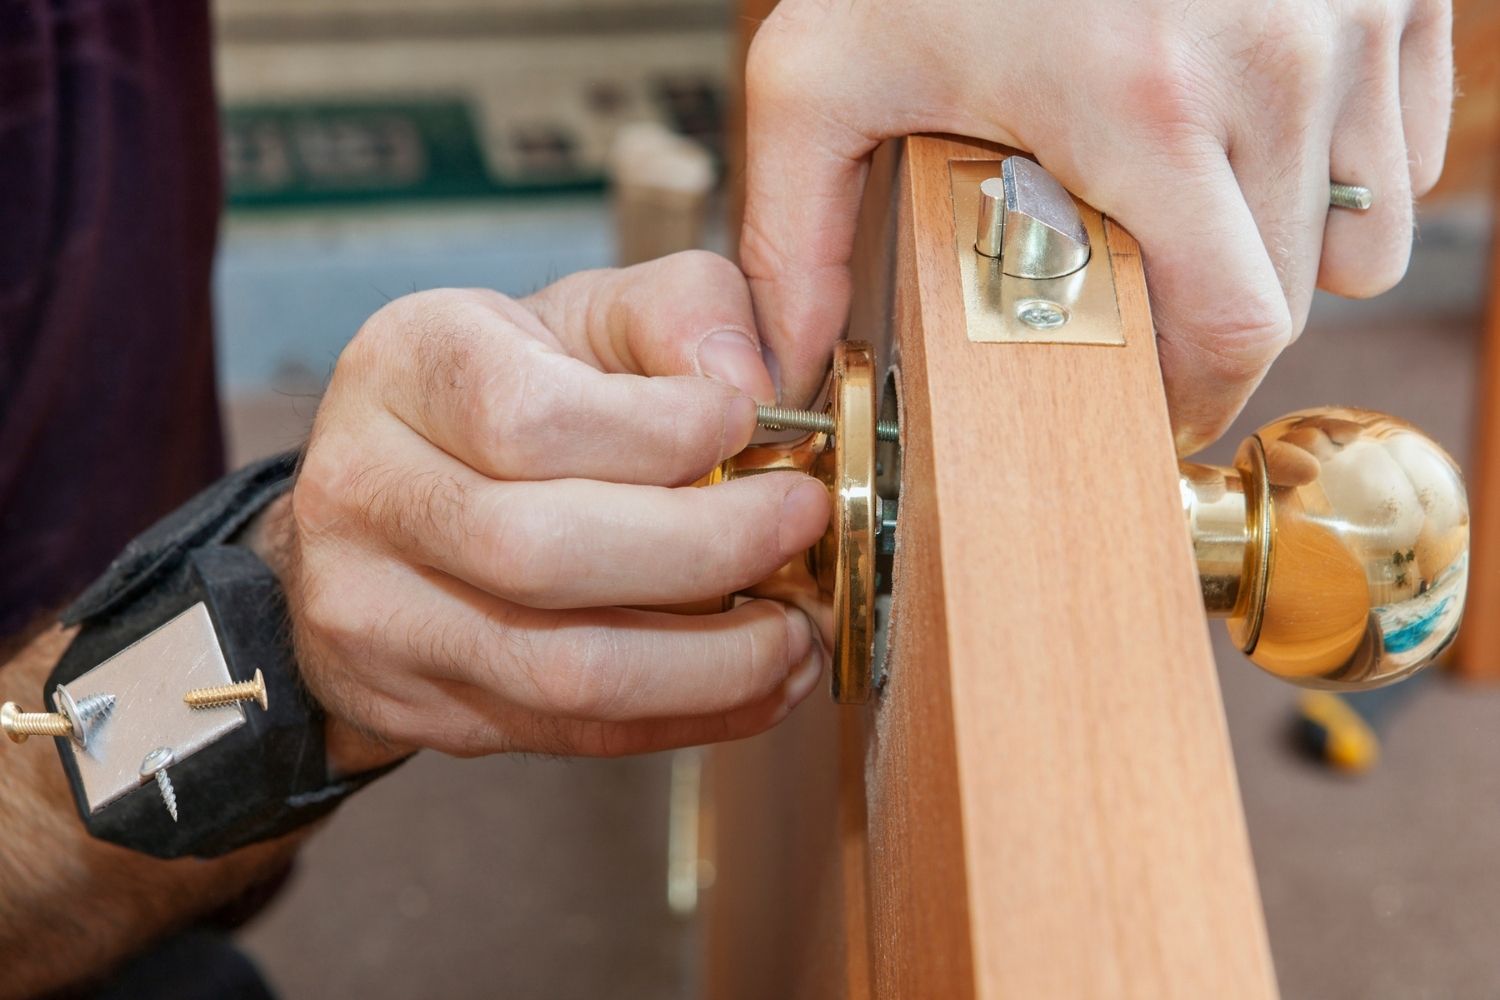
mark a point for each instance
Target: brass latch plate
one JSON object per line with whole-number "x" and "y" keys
{"x": 994, "y": 302}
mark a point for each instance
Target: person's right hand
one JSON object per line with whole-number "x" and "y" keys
{"x": 491, "y": 483}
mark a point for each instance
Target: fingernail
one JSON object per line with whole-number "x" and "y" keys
{"x": 731, "y": 356}
{"x": 800, "y": 684}
{"x": 805, "y": 504}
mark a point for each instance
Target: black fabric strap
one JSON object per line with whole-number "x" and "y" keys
{"x": 158, "y": 554}
{"x": 261, "y": 780}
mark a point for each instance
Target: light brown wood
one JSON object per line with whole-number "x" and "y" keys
{"x": 1049, "y": 802}
{"x": 1478, "y": 654}
{"x": 1056, "y": 711}
{"x": 1474, "y": 136}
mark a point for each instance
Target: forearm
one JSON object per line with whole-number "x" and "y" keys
{"x": 72, "y": 906}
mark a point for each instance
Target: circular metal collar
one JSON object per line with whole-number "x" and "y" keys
{"x": 854, "y": 515}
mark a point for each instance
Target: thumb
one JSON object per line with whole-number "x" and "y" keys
{"x": 805, "y": 174}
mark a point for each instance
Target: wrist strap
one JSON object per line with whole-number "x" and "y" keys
{"x": 268, "y": 776}
{"x": 157, "y": 557}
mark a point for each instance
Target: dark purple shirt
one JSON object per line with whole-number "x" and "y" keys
{"x": 109, "y": 199}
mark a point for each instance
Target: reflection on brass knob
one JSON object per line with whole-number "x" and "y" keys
{"x": 1336, "y": 547}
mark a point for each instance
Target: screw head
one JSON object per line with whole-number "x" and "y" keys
{"x": 261, "y": 698}
{"x": 1039, "y": 314}
{"x": 8, "y": 713}
{"x": 157, "y": 760}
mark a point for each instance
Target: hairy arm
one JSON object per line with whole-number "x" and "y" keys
{"x": 71, "y": 907}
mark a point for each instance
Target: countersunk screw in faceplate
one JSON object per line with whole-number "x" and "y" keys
{"x": 155, "y": 766}
{"x": 227, "y": 694}
{"x": 1039, "y": 314}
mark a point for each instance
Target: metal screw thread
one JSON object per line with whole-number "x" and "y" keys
{"x": 786, "y": 418}
{"x": 24, "y": 724}
{"x": 228, "y": 694}
{"x": 96, "y": 707}
{"x": 168, "y": 793}
{"x": 1351, "y": 196}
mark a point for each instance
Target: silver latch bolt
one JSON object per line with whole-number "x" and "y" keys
{"x": 1030, "y": 223}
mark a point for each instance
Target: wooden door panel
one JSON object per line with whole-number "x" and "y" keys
{"x": 1042, "y": 802}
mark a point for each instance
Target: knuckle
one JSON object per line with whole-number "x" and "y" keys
{"x": 519, "y": 413}
{"x": 774, "y": 69}
{"x": 1299, "y": 59}
{"x": 340, "y": 626}
{"x": 691, "y": 433}
{"x": 701, "y": 269}
{"x": 1379, "y": 25}
{"x": 762, "y": 255}
{"x": 590, "y": 677}
{"x": 1168, "y": 101}
{"x": 1241, "y": 350}
{"x": 324, "y": 483}
{"x": 749, "y": 531}
{"x": 420, "y": 507}
{"x": 529, "y": 543}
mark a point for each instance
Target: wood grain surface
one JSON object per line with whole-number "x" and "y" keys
{"x": 1052, "y": 801}
{"x": 1477, "y": 656}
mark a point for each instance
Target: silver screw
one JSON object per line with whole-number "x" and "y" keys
{"x": 155, "y": 766}
{"x": 785, "y": 418}
{"x": 84, "y": 716}
{"x": 1351, "y": 196}
{"x": 1039, "y": 314}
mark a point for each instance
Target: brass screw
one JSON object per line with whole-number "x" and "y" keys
{"x": 1351, "y": 196}
{"x": 786, "y": 418}
{"x": 227, "y": 694}
{"x": 19, "y": 725}
{"x": 75, "y": 719}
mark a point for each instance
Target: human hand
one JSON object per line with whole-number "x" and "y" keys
{"x": 490, "y": 482}
{"x": 1209, "y": 129}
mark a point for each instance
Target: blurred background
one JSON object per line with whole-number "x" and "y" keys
{"x": 377, "y": 147}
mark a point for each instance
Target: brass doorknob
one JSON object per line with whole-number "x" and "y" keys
{"x": 1336, "y": 546}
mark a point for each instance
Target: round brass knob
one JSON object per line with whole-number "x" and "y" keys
{"x": 1336, "y": 547}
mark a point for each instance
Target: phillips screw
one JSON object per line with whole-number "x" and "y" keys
{"x": 155, "y": 766}
{"x": 784, "y": 418}
{"x": 227, "y": 694}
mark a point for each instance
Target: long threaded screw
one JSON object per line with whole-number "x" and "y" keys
{"x": 786, "y": 418}
{"x": 1351, "y": 196}
{"x": 228, "y": 694}
{"x": 155, "y": 766}
{"x": 19, "y": 725}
